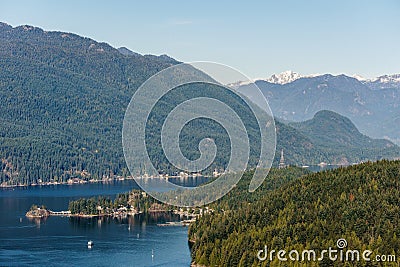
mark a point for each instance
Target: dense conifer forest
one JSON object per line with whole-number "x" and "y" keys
{"x": 359, "y": 203}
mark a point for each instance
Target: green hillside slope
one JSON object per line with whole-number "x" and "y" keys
{"x": 360, "y": 204}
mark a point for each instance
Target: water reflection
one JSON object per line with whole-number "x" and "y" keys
{"x": 189, "y": 181}
{"x": 37, "y": 221}
{"x": 63, "y": 240}
{"x": 131, "y": 221}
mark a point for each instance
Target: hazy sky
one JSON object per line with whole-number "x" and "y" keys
{"x": 257, "y": 37}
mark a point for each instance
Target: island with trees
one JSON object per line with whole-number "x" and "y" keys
{"x": 124, "y": 204}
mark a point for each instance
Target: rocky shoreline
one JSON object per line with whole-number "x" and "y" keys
{"x": 42, "y": 212}
{"x": 38, "y": 213}
{"x": 74, "y": 181}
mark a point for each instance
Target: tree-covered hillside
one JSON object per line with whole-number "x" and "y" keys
{"x": 63, "y": 99}
{"x": 374, "y": 108}
{"x": 360, "y": 204}
{"x": 341, "y": 141}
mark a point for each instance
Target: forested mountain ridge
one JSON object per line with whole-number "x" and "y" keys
{"x": 346, "y": 134}
{"x": 359, "y": 203}
{"x": 63, "y": 99}
{"x": 374, "y": 109}
{"x": 339, "y": 138}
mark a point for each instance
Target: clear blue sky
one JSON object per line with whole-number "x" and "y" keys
{"x": 257, "y": 37}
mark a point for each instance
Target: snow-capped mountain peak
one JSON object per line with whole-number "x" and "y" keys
{"x": 394, "y": 78}
{"x": 359, "y": 77}
{"x": 381, "y": 82}
{"x": 284, "y": 77}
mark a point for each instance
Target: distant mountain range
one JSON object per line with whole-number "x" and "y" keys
{"x": 372, "y": 104}
{"x": 330, "y": 137}
{"x": 63, "y": 99}
{"x": 381, "y": 82}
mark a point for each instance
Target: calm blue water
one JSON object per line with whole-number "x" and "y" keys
{"x": 61, "y": 241}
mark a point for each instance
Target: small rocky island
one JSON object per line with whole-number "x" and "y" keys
{"x": 38, "y": 212}
{"x": 125, "y": 204}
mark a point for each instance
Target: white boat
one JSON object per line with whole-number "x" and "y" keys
{"x": 90, "y": 243}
